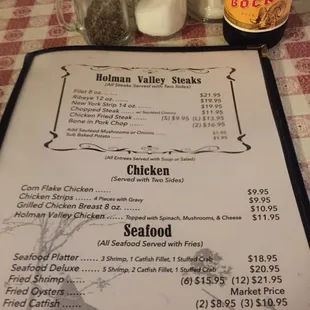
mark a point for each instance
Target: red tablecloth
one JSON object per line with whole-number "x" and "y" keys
{"x": 29, "y": 25}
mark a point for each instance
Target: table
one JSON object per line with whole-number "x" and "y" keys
{"x": 29, "y": 25}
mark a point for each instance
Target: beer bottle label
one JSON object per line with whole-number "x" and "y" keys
{"x": 257, "y": 15}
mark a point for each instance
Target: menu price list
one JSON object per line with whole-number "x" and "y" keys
{"x": 37, "y": 280}
{"x": 244, "y": 303}
{"x": 80, "y": 202}
{"x": 89, "y": 107}
{"x": 262, "y": 286}
{"x": 60, "y": 201}
{"x": 262, "y": 205}
{"x": 196, "y": 225}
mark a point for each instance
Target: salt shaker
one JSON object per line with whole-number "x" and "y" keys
{"x": 160, "y": 18}
{"x": 206, "y": 10}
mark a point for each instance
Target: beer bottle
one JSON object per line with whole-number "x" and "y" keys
{"x": 255, "y": 22}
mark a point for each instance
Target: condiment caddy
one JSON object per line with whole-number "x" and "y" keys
{"x": 113, "y": 22}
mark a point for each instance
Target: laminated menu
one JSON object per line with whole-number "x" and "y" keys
{"x": 151, "y": 179}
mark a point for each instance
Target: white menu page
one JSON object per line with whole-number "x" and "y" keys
{"x": 134, "y": 180}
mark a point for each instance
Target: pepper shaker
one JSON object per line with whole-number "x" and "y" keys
{"x": 101, "y": 22}
{"x": 107, "y": 22}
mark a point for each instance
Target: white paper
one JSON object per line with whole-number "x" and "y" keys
{"x": 180, "y": 147}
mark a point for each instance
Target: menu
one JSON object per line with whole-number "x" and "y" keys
{"x": 150, "y": 180}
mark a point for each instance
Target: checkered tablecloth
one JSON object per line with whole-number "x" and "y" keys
{"x": 29, "y": 25}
